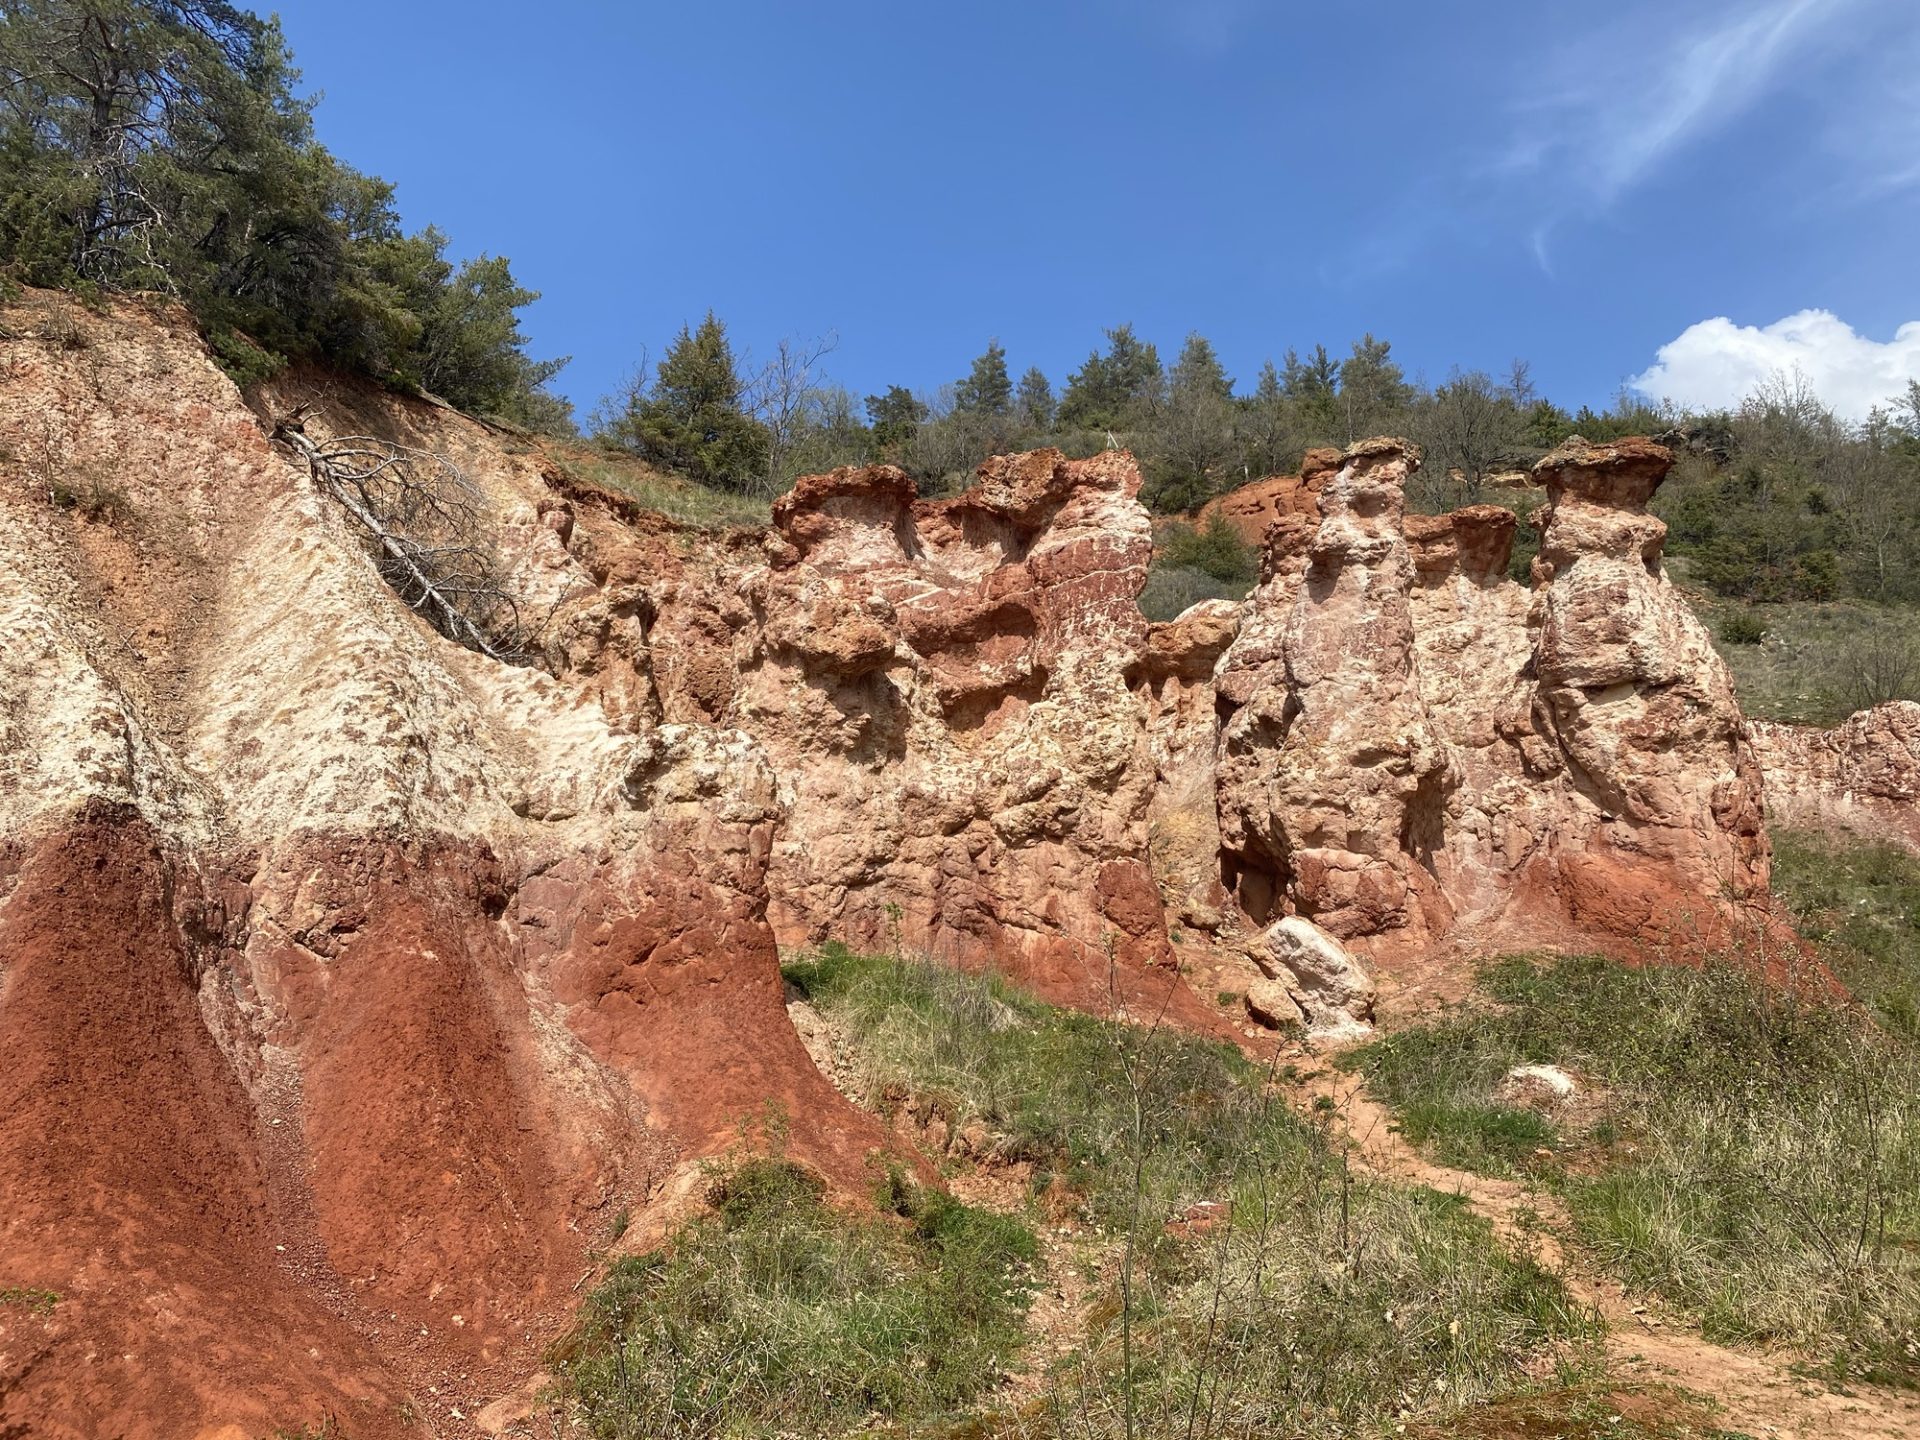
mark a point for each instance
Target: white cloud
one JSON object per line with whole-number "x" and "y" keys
{"x": 1716, "y": 364}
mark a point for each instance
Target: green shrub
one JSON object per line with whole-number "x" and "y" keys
{"x": 1742, "y": 627}
{"x": 1214, "y": 549}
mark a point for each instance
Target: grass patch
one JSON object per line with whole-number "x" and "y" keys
{"x": 1248, "y": 1281}
{"x": 1755, "y": 1157}
{"x": 697, "y": 506}
{"x": 1860, "y": 901}
{"x": 777, "y": 1313}
{"x": 1793, "y": 661}
{"x": 1656, "y": 1412}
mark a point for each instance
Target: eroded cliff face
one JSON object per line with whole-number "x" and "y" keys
{"x": 352, "y": 982}
{"x": 1425, "y": 748}
{"x": 1863, "y": 775}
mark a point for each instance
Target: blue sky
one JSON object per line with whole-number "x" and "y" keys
{"x": 1577, "y": 182}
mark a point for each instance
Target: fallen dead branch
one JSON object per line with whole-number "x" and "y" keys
{"x": 423, "y": 523}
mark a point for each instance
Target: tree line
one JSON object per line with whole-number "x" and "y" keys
{"x": 726, "y": 422}
{"x": 1776, "y": 499}
{"x": 160, "y": 145}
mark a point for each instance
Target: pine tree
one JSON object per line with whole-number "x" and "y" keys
{"x": 1190, "y": 442}
{"x": 693, "y": 420}
{"x": 1198, "y": 371}
{"x": 894, "y": 417}
{"x": 1373, "y": 391}
{"x": 987, "y": 390}
{"x": 1034, "y": 402}
{"x": 1114, "y": 390}
{"x": 1313, "y": 386}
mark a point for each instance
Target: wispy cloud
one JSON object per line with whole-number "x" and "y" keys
{"x": 1611, "y": 110}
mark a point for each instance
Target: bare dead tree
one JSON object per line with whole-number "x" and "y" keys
{"x": 777, "y": 394}
{"x": 423, "y": 525}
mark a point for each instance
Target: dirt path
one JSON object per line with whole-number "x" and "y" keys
{"x": 1758, "y": 1394}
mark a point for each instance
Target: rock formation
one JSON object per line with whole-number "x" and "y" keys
{"x": 1251, "y": 509}
{"x": 1863, "y": 775}
{"x": 351, "y": 983}
{"x": 1424, "y": 746}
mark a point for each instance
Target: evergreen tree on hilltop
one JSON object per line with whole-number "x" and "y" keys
{"x": 1374, "y": 393}
{"x": 159, "y": 145}
{"x": 1313, "y": 386}
{"x": 693, "y": 420}
{"x": 1114, "y": 390}
{"x": 1198, "y": 372}
{"x": 1033, "y": 404}
{"x": 987, "y": 390}
{"x": 894, "y": 418}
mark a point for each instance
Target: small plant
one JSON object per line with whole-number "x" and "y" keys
{"x": 245, "y": 363}
{"x": 35, "y": 1300}
{"x": 778, "y": 1311}
{"x": 1742, "y": 627}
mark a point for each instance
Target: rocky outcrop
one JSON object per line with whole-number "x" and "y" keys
{"x": 1424, "y": 747}
{"x": 1862, "y": 776}
{"x": 947, "y": 684}
{"x": 1331, "y": 776}
{"x": 352, "y": 982}
{"x": 1251, "y": 509}
{"x": 1656, "y": 758}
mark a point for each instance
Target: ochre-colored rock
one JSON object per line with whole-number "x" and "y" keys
{"x": 1253, "y": 507}
{"x": 1331, "y": 777}
{"x": 352, "y": 982}
{"x": 1415, "y": 745}
{"x": 1861, "y": 776}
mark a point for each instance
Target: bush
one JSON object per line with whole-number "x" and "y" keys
{"x": 1874, "y": 666}
{"x": 1214, "y": 549}
{"x": 1742, "y": 627}
{"x": 777, "y": 1312}
{"x": 1170, "y": 593}
{"x": 1756, "y": 1159}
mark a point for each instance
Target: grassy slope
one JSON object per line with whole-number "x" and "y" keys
{"x": 1753, "y": 1156}
{"x": 1308, "y": 1301}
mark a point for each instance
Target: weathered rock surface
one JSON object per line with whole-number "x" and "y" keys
{"x": 1423, "y": 746}
{"x": 1251, "y": 509}
{"x": 1863, "y": 775}
{"x": 351, "y": 982}
{"x": 1331, "y": 776}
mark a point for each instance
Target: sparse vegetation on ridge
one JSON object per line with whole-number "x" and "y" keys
{"x": 1748, "y": 1150}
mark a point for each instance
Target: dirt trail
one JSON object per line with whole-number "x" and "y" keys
{"x": 1758, "y": 1394}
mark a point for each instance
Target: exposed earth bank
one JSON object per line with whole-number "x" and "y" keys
{"x": 355, "y": 986}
